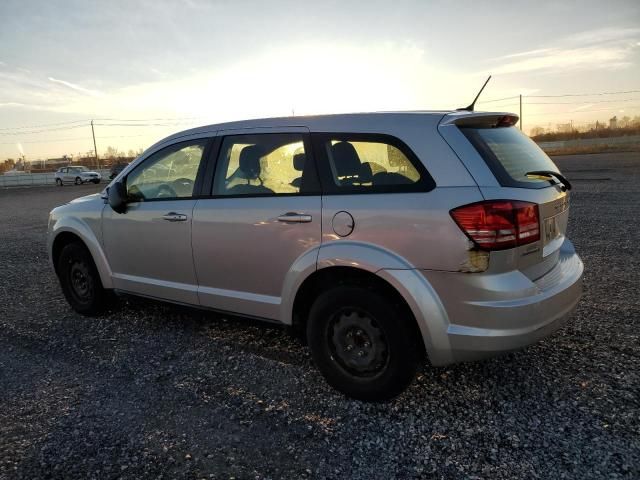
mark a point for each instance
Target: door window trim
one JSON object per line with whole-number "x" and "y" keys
{"x": 197, "y": 184}
{"x": 312, "y": 187}
{"x": 329, "y": 187}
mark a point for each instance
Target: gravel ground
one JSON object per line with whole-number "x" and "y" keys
{"x": 157, "y": 391}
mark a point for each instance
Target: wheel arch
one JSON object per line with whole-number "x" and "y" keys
{"x": 325, "y": 278}
{"x": 389, "y": 273}
{"x": 72, "y": 230}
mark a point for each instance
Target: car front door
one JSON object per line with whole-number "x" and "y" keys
{"x": 264, "y": 216}
{"x": 149, "y": 246}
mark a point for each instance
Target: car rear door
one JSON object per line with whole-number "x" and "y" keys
{"x": 262, "y": 219}
{"x": 149, "y": 246}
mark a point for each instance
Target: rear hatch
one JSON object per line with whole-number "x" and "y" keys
{"x": 502, "y": 159}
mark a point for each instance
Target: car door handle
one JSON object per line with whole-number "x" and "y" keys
{"x": 293, "y": 217}
{"x": 174, "y": 217}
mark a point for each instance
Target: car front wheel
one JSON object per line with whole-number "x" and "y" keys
{"x": 78, "y": 181}
{"x": 58, "y": 182}
{"x": 80, "y": 280}
{"x": 362, "y": 344}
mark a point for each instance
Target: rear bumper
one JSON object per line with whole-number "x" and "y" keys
{"x": 492, "y": 313}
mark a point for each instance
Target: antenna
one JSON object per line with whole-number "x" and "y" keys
{"x": 473, "y": 104}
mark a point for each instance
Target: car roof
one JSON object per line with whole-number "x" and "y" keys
{"x": 312, "y": 122}
{"x": 376, "y": 122}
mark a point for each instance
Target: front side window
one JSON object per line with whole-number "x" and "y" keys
{"x": 168, "y": 174}
{"x": 264, "y": 164}
{"x": 372, "y": 163}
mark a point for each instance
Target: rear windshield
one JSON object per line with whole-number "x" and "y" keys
{"x": 510, "y": 155}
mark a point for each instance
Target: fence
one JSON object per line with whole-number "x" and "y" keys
{"x": 36, "y": 179}
{"x": 590, "y": 142}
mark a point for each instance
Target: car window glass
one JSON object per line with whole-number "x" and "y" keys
{"x": 369, "y": 164}
{"x": 169, "y": 173}
{"x": 268, "y": 164}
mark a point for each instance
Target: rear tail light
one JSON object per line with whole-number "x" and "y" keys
{"x": 499, "y": 224}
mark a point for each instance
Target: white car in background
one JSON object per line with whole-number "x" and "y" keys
{"x": 77, "y": 175}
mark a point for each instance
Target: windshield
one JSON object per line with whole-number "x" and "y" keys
{"x": 510, "y": 155}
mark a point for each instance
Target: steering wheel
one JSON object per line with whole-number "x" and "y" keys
{"x": 183, "y": 186}
{"x": 166, "y": 191}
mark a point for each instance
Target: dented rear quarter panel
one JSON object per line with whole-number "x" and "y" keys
{"x": 414, "y": 226}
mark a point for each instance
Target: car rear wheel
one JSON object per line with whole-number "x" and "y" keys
{"x": 362, "y": 344}
{"x": 80, "y": 280}
{"x": 58, "y": 182}
{"x": 78, "y": 181}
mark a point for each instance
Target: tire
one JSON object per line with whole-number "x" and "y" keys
{"x": 58, "y": 182}
{"x": 96, "y": 181}
{"x": 80, "y": 280}
{"x": 362, "y": 344}
{"x": 78, "y": 181}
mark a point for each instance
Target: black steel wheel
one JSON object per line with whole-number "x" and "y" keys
{"x": 357, "y": 342}
{"x": 363, "y": 345}
{"x": 80, "y": 280}
{"x": 78, "y": 181}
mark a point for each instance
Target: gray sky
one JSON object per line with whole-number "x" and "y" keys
{"x": 196, "y": 62}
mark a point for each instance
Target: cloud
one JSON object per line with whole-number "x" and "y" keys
{"x": 582, "y": 107}
{"x": 12, "y": 104}
{"x": 607, "y": 48}
{"x": 555, "y": 59}
{"x": 77, "y": 88}
{"x": 608, "y": 34}
{"x": 525, "y": 54}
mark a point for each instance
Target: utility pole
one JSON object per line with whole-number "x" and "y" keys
{"x": 520, "y": 112}
{"x": 95, "y": 149}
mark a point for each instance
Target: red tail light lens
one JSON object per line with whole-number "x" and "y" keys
{"x": 499, "y": 224}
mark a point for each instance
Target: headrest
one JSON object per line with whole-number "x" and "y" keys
{"x": 345, "y": 159}
{"x": 298, "y": 161}
{"x": 250, "y": 161}
{"x": 365, "y": 175}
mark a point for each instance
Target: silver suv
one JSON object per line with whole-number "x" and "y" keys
{"x": 77, "y": 175}
{"x": 382, "y": 237}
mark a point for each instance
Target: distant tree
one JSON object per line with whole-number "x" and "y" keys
{"x": 7, "y": 165}
{"x": 110, "y": 152}
{"x": 536, "y": 131}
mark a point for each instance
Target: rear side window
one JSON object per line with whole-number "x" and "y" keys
{"x": 364, "y": 163}
{"x": 264, "y": 165}
{"x": 510, "y": 155}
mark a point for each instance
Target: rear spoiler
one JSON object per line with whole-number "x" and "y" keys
{"x": 480, "y": 119}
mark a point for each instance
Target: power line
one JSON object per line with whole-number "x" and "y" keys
{"x": 584, "y": 102}
{"x": 56, "y": 140}
{"x": 45, "y": 130}
{"x": 129, "y": 120}
{"x": 44, "y": 125}
{"x": 141, "y": 124}
{"x": 576, "y": 112}
{"x": 497, "y": 99}
{"x": 582, "y": 94}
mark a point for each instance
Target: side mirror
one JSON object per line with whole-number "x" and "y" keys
{"x": 118, "y": 197}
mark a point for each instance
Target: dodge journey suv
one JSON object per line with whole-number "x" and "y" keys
{"x": 382, "y": 238}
